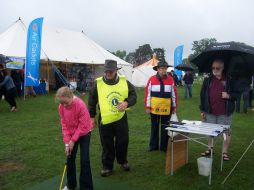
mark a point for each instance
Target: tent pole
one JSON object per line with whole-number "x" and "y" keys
{"x": 48, "y": 71}
{"x": 237, "y": 162}
{"x": 66, "y": 71}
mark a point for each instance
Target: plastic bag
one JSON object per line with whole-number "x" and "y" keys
{"x": 175, "y": 119}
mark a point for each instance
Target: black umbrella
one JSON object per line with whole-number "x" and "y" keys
{"x": 238, "y": 58}
{"x": 184, "y": 67}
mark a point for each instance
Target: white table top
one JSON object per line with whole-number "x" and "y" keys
{"x": 198, "y": 127}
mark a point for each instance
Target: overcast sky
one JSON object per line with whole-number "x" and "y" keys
{"x": 126, "y": 24}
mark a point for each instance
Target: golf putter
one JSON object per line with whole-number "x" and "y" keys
{"x": 64, "y": 171}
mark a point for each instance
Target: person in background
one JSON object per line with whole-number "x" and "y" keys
{"x": 2, "y": 90}
{"x": 172, "y": 73}
{"x": 10, "y": 90}
{"x": 76, "y": 130}
{"x": 114, "y": 94}
{"x": 160, "y": 102}
{"x": 17, "y": 77}
{"x": 81, "y": 82}
{"x": 59, "y": 79}
{"x": 188, "y": 82}
{"x": 217, "y": 103}
{"x": 244, "y": 87}
{"x": 251, "y": 92}
{"x": 29, "y": 90}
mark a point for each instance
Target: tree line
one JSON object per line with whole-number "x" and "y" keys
{"x": 145, "y": 52}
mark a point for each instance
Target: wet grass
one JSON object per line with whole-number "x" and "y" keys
{"x": 31, "y": 139}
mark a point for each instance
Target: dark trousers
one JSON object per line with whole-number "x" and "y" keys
{"x": 85, "y": 179}
{"x": 187, "y": 90}
{"x": 154, "y": 139}
{"x": 245, "y": 95}
{"x": 19, "y": 89}
{"x": 114, "y": 141}
{"x": 250, "y": 98}
{"x": 10, "y": 97}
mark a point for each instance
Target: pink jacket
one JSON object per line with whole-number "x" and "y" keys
{"x": 75, "y": 120}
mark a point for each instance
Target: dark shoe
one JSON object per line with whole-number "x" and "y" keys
{"x": 66, "y": 188}
{"x": 106, "y": 172}
{"x": 163, "y": 150}
{"x": 125, "y": 167}
{"x": 150, "y": 150}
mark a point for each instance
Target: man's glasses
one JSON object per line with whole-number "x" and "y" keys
{"x": 216, "y": 68}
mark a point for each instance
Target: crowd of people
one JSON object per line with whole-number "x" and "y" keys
{"x": 113, "y": 95}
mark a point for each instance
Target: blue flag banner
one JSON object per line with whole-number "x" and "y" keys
{"x": 33, "y": 53}
{"x": 178, "y": 54}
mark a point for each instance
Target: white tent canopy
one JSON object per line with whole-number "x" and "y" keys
{"x": 60, "y": 45}
{"x": 143, "y": 72}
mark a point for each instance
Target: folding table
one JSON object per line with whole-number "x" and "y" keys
{"x": 200, "y": 128}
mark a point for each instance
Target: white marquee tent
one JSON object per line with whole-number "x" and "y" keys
{"x": 143, "y": 72}
{"x": 61, "y": 45}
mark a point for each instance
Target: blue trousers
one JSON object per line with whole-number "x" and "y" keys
{"x": 245, "y": 95}
{"x": 85, "y": 178}
{"x": 187, "y": 90}
{"x": 159, "y": 121}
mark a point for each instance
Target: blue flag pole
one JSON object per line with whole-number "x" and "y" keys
{"x": 178, "y": 54}
{"x": 33, "y": 53}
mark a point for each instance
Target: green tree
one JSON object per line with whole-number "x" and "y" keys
{"x": 143, "y": 54}
{"x": 140, "y": 56}
{"x": 185, "y": 61}
{"x": 200, "y": 45}
{"x": 130, "y": 58}
{"x": 160, "y": 53}
{"x": 120, "y": 54}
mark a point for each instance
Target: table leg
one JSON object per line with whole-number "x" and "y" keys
{"x": 172, "y": 152}
{"x": 210, "y": 176}
{"x": 187, "y": 151}
{"x": 221, "y": 161}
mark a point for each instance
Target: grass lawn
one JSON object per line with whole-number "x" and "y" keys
{"x": 31, "y": 149}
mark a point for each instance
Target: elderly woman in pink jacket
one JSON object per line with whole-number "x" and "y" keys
{"x": 76, "y": 129}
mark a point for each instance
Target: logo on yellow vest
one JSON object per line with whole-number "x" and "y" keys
{"x": 114, "y": 98}
{"x": 160, "y": 106}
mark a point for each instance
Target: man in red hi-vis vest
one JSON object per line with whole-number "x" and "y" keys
{"x": 160, "y": 101}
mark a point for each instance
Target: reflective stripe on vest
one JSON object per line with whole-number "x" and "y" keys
{"x": 109, "y": 97}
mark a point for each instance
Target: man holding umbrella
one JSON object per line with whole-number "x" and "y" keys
{"x": 219, "y": 91}
{"x": 217, "y": 104}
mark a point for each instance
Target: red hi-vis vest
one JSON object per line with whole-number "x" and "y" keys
{"x": 160, "y": 97}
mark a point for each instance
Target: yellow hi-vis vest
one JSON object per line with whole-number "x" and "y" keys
{"x": 109, "y": 97}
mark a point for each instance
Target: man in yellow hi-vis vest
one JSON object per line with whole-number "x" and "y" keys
{"x": 114, "y": 94}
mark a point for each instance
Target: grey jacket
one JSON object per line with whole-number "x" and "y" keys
{"x": 7, "y": 83}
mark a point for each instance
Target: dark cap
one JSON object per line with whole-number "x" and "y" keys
{"x": 160, "y": 64}
{"x": 110, "y": 65}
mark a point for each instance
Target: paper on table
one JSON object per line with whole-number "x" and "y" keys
{"x": 192, "y": 122}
